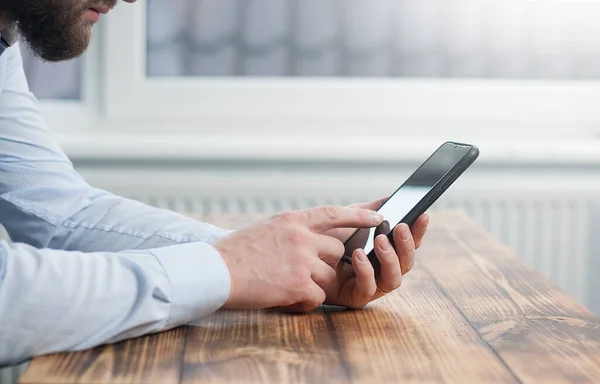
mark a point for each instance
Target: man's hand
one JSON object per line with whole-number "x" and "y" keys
{"x": 355, "y": 285}
{"x": 287, "y": 259}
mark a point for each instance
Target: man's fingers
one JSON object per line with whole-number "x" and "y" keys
{"x": 419, "y": 229}
{"x": 329, "y": 217}
{"x": 405, "y": 247}
{"x": 365, "y": 286}
{"x": 315, "y": 296}
{"x": 323, "y": 274}
{"x": 383, "y": 228}
{"x": 373, "y": 205}
{"x": 329, "y": 249}
{"x": 391, "y": 276}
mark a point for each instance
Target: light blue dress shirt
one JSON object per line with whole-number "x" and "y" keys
{"x": 87, "y": 267}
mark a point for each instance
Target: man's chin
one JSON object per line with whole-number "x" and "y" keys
{"x": 54, "y": 57}
{"x": 60, "y": 48}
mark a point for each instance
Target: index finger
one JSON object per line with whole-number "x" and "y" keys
{"x": 329, "y": 217}
{"x": 373, "y": 205}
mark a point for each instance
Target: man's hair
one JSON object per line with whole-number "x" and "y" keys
{"x": 8, "y": 7}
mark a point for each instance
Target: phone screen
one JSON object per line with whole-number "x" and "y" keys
{"x": 418, "y": 185}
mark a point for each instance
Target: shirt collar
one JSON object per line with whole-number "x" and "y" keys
{"x": 8, "y": 37}
{"x": 3, "y": 45}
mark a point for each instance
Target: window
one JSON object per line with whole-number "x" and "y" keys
{"x": 354, "y": 67}
{"x": 459, "y": 69}
{"x": 390, "y": 38}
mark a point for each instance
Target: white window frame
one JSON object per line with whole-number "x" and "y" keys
{"x": 125, "y": 114}
{"x": 289, "y": 106}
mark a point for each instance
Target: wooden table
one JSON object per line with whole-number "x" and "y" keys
{"x": 470, "y": 312}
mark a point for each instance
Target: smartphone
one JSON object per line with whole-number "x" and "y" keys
{"x": 414, "y": 197}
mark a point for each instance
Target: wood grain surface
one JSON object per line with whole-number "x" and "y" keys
{"x": 263, "y": 346}
{"x": 471, "y": 311}
{"x": 149, "y": 359}
{"x": 540, "y": 332}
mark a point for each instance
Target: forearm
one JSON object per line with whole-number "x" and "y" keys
{"x": 62, "y": 301}
{"x": 53, "y": 207}
{"x": 113, "y": 223}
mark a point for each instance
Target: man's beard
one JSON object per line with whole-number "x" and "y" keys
{"x": 55, "y": 30}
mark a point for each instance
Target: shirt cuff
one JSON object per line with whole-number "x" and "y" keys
{"x": 199, "y": 280}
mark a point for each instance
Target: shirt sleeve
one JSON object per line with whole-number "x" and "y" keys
{"x": 52, "y": 300}
{"x": 44, "y": 202}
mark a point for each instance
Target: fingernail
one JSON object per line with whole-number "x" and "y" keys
{"x": 376, "y": 217}
{"x": 405, "y": 233}
{"x": 385, "y": 244}
{"x": 362, "y": 257}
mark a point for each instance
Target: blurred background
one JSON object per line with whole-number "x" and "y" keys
{"x": 386, "y": 38}
{"x": 258, "y": 106}
{"x": 535, "y": 186}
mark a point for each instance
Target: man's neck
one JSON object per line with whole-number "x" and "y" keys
{"x": 4, "y": 21}
{"x": 7, "y": 28}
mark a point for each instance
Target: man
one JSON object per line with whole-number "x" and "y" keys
{"x": 87, "y": 267}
